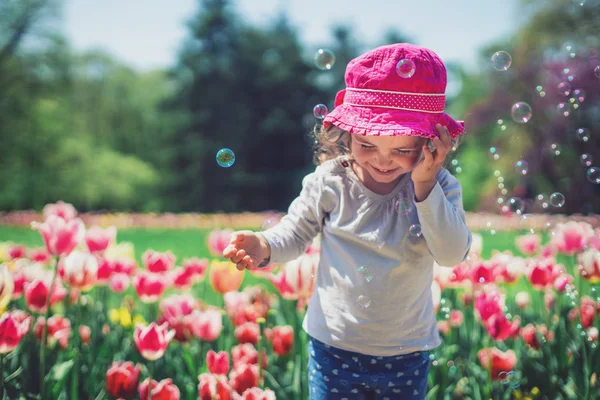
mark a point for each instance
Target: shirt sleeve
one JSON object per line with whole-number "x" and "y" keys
{"x": 443, "y": 221}
{"x": 304, "y": 220}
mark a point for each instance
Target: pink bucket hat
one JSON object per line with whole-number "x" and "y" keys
{"x": 394, "y": 90}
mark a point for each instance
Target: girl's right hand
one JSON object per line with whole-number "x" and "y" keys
{"x": 247, "y": 250}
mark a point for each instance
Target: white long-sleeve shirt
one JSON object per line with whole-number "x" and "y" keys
{"x": 373, "y": 287}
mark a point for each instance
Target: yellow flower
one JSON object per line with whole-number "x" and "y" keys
{"x": 7, "y": 286}
{"x": 120, "y": 250}
{"x": 4, "y": 249}
{"x": 120, "y": 316}
{"x": 138, "y": 319}
{"x": 535, "y": 392}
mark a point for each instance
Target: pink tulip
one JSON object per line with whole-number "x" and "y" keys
{"x": 282, "y": 339}
{"x": 246, "y": 306}
{"x": 217, "y": 240}
{"x": 522, "y": 299}
{"x": 249, "y": 332}
{"x": 529, "y": 244}
{"x": 213, "y": 387}
{"x": 443, "y": 327}
{"x": 594, "y": 242}
{"x": 124, "y": 265}
{"x": 174, "y": 309}
{"x": 218, "y": 363}
{"x": 592, "y": 333}
{"x": 500, "y": 328}
{"x": 98, "y": 239}
{"x": 158, "y": 262}
{"x": 149, "y": 286}
{"x": 59, "y": 330}
{"x": 497, "y": 360}
{"x": 589, "y": 262}
{"x": 84, "y": 333}
{"x": 17, "y": 251}
{"x": 40, "y": 256}
{"x": 488, "y": 304}
{"x": 196, "y": 267}
{"x": 543, "y": 272}
{"x": 13, "y": 326}
{"x": 61, "y": 209}
{"x": 258, "y": 394}
{"x": 225, "y": 277}
{"x": 19, "y": 281}
{"x": 61, "y": 236}
{"x": 561, "y": 282}
{"x": 205, "y": 325}
{"x": 456, "y": 318}
{"x": 163, "y": 390}
{"x": 79, "y": 270}
{"x": 119, "y": 282}
{"x": 297, "y": 278}
{"x": 246, "y": 353}
{"x": 36, "y": 294}
{"x": 152, "y": 340}
{"x": 571, "y": 238}
{"x": 587, "y": 311}
{"x": 243, "y": 377}
{"x": 482, "y": 273}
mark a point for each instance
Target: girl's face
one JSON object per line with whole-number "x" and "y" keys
{"x": 384, "y": 159}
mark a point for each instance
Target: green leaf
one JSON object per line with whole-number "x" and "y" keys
{"x": 60, "y": 371}
{"x": 432, "y": 393}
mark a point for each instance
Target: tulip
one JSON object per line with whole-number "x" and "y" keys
{"x": 587, "y": 311}
{"x": 196, "y": 267}
{"x": 119, "y": 282}
{"x": 258, "y": 394}
{"x": 158, "y": 262}
{"x": 163, "y": 390}
{"x": 36, "y": 295}
{"x": 592, "y": 334}
{"x": 40, "y": 256}
{"x": 529, "y": 244}
{"x": 571, "y": 238}
{"x": 543, "y": 272}
{"x": 589, "y": 262}
{"x": 152, "y": 340}
{"x": 58, "y": 330}
{"x": 522, "y": 299}
{"x": 122, "y": 379}
{"x": 488, "y": 304}
{"x": 282, "y": 339}
{"x": 217, "y": 241}
{"x": 225, "y": 277}
{"x": 243, "y": 377}
{"x": 61, "y": 209}
{"x": 249, "y": 332}
{"x": 218, "y": 363}
{"x": 500, "y": 328}
{"x": 17, "y": 251}
{"x": 456, "y": 318}
{"x": 7, "y": 286}
{"x": 19, "y": 285}
{"x": 300, "y": 274}
{"x": 149, "y": 286}
{"x": 79, "y": 270}
{"x": 205, "y": 325}
{"x": 13, "y": 326}
{"x": 61, "y": 236}
{"x": 85, "y": 333}
{"x": 213, "y": 387}
{"x": 443, "y": 327}
{"x": 174, "y": 309}
{"x": 98, "y": 239}
{"x": 246, "y": 353}
{"x": 497, "y": 361}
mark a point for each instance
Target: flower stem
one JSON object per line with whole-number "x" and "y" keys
{"x": 45, "y": 333}
{"x": 1, "y": 376}
{"x": 150, "y": 372}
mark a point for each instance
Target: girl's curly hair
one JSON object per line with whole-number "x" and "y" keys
{"x": 329, "y": 143}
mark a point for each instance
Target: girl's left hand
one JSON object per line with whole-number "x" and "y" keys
{"x": 428, "y": 167}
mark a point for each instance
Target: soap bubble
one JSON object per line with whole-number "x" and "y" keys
{"x": 320, "y": 111}
{"x": 363, "y": 301}
{"x": 565, "y": 88}
{"x": 597, "y": 71}
{"x": 494, "y": 153}
{"x": 324, "y": 59}
{"x": 542, "y": 200}
{"x": 593, "y": 175}
{"x": 586, "y": 159}
{"x": 513, "y": 379}
{"x": 521, "y": 112}
{"x": 403, "y": 206}
{"x": 583, "y": 134}
{"x": 557, "y": 199}
{"x": 405, "y": 68}
{"x": 563, "y": 108}
{"x": 365, "y": 272}
{"x": 555, "y": 149}
{"x": 579, "y": 95}
{"x": 516, "y": 205}
{"x": 501, "y": 60}
{"x": 522, "y": 167}
{"x": 415, "y": 230}
{"x": 269, "y": 223}
{"x": 225, "y": 158}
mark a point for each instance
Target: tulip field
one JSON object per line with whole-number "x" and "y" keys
{"x": 96, "y": 312}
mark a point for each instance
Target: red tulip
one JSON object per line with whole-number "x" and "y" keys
{"x": 173, "y": 310}
{"x": 61, "y": 236}
{"x": 587, "y": 311}
{"x": 218, "y": 240}
{"x": 218, "y": 363}
{"x": 542, "y": 272}
{"x": 152, "y": 340}
{"x": 196, "y": 267}
{"x": 488, "y": 304}
{"x": 244, "y": 376}
{"x": 529, "y": 244}
{"x": 205, "y": 325}
{"x": 258, "y": 394}
{"x": 149, "y": 286}
{"x": 246, "y": 306}
{"x": 483, "y": 273}
{"x": 122, "y": 379}
{"x": 456, "y": 318}
{"x": 529, "y": 335}
{"x": 85, "y": 333}
{"x": 500, "y": 328}
{"x": 19, "y": 285}
{"x": 246, "y": 353}
{"x": 213, "y": 387}
{"x": 59, "y": 330}
{"x": 497, "y": 360}
{"x": 36, "y": 294}
{"x": 158, "y": 262}
{"x": 571, "y": 238}
{"x": 248, "y": 332}
{"x": 13, "y": 326}
{"x": 98, "y": 239}
{"x": 79, "y": 270}
{"x": 119, "y": 282}
{"x": 40, "y": 255}
{"x": 282, "y": 339}
{"x": 61, "y": 209}
{"x": 561, "y": 282}
{"x": 124, "y": 265}
{"x": 163, "y": 390}
{"x": 17, "y": 251}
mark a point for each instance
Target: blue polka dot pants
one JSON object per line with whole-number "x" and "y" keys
{"x": 336, "y": 374}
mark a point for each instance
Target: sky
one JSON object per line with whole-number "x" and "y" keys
{"x": 146, "y": 34}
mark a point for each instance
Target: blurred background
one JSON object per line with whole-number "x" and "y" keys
{"x": 124, "y": 105}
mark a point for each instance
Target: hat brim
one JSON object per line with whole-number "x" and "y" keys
{"x": 370, "y": 121}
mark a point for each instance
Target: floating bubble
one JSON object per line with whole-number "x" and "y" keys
{"x": 365, "y": 272}
{"x": 513, "y": 379}
{"x": 501, "y": 60}
{"x": 521, "y": 112}
{"x": 586, "y": 159}
{"x": 415, "y": 230}
{"x": 583, "y": 134}
{"x": 555, "y": 149}
{"x": 563, "y": 108}
{"x": 320, "y": 111}
{"x": 522, "y": 167}
{"x": 225, "y": 158}
{"x": 597, "y": 71}
{"x": 565, "y": 88}
{"x": 502, "y": 377}
{"x": 405, "y": 68}
{"x": 269, "y": 223}
{"x": 363, "y": 301}
{"x": 516, "y": 205}
{"x": 557, "y": 199}
{"x": 403, "y": 206}
{"x": 593, "y": 175}
{"x": 324, "y": 59}
{"x": 579, "y": 95}
{"x": 542, "y": 200}
{"x": 494, "y": 153}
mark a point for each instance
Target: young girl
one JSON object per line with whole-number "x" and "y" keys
{"x": 386, "y": 210}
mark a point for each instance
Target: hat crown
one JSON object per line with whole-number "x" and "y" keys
{"x": 377, "y": 70}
